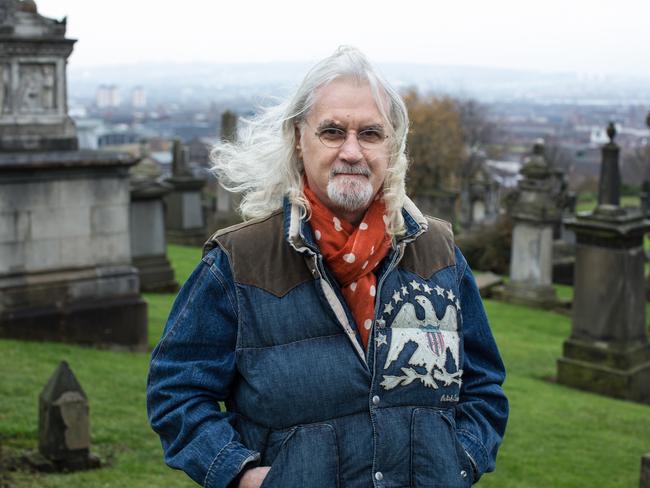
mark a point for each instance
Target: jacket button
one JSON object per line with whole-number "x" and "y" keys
{"x": 375, "y": 400}
{"x": 463, "y": 474}
{"x": 379, "y": 476}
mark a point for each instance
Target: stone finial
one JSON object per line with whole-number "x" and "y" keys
{"x": 611, "y": 132}
{"x": 538, "y": 147}
{"x": 64, "y": 423}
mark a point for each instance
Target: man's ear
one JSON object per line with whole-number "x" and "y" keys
{"x": 298, "y": 140}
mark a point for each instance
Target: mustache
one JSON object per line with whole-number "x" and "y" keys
{"x": 350, "y": 169}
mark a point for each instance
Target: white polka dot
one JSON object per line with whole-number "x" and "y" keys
{"x": 353, "y": 286}
{"x": 337, "y": 225}
{"x": 349, "y": 258}
{"x": 317, "y": 234}
{"x": 373, "y": 291}
{"x": 367, "y": 324}
{"x": 363, "y": 226}
{"x": 385, "y": 218}
{"x": 364, "y": 265}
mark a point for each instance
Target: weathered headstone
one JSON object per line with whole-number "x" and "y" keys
{"x": 184, "y": 221}
{"x": 148, "y": 244}
{"x": 64, "y": 425}
{"x": 225, "y": 213}
{"x": 608, "y": 351}
{"x": 644, "y": 482}
{"x": 65, "y": 262}
{"x": 534, "y": 214}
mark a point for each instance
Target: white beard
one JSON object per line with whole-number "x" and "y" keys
{"x": 350, "y": 193}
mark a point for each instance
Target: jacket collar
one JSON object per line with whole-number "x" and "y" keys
{"x": 300, "y": 236}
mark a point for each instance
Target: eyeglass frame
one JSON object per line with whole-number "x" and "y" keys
{"x": 356, "y": 135}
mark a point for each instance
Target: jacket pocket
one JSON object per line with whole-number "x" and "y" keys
{"x": 308, "y": 458}
{"x": 437, "y": 458}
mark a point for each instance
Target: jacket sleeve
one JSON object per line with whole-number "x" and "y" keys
{"x": 482, "y": 411}
{"x": 191, "y": 371}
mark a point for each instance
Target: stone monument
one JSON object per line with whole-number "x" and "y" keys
{"x": 534, "y": 213}
{"x": 644, "y": 482}
{"x": 148, "y": 244}
{"x": 65, "y": 261}
{"x": 225, "y": 213}
{"x": 184, "y": 221}
{"x": 63, "y": 425}
{"x": 608, "y": 351}
{"x": 33, "y": 57}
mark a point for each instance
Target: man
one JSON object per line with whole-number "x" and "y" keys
{"x": 341, "y": 327}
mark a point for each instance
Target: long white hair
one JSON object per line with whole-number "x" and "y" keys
{"x": 263, "y": 164}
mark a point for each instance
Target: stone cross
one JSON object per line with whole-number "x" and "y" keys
{"x": 64, "y": 422}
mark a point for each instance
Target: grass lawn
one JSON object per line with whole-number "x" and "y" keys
{"x": 557, "y": 437}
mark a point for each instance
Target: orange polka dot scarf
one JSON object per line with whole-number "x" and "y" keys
{"x": 352, "y": 253}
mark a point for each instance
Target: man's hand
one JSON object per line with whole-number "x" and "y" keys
{"x": 253, "y": 477}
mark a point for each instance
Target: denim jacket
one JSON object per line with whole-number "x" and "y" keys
{"x": 262, "y": 325}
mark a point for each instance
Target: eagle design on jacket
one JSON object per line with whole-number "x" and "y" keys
{"x": 436, "y": 340}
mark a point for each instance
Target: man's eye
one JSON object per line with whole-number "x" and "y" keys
{"x": 332, "y": 134}
{"x": 371, "y": 136}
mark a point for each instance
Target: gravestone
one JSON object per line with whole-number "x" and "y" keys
{"x": 608, "y": 351}
{"x": 225, "y": 213}
{"x": 644, "y": 482}
{"x": 480, "y": 203}
{"x": 63, "y": 425}
{"x": 147, "y": 229}
{"x": 534, "y": 213}
{"x": 65, "y": 261}
{"x": 184, "y": 221}
{"x": 33, "y": 57}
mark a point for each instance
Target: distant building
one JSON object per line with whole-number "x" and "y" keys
{"x": 107, "y": 96}
{"x": 138, "y": 97}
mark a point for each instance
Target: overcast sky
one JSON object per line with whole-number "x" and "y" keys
{"x": 591, "y": 36}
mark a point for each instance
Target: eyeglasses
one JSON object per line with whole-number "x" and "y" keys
{"x": 335, "y": 137}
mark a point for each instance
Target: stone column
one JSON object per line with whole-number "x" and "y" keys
{"x": 534, "y": 214}
{"x": 608, "y": 351}
{"x": 148, "y": 244}
{"x": 184, "y": 221}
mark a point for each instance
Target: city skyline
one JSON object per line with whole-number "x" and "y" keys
{"x": 584, "y": 37}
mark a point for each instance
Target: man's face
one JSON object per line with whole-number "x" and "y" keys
{"x": 345, "y": 178}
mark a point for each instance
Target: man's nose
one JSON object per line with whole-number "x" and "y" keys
{"x": 351, "y": 151}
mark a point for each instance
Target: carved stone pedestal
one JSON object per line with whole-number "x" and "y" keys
{"x": 608, "y": 350}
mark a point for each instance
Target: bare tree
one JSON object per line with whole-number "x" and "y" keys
{"x": 478, "y": 133}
